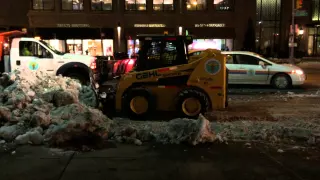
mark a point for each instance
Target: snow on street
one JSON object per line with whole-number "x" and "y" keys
{"x": 38, "y": 109}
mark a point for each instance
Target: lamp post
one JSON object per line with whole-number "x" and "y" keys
{"x": 291, "y": 55}
{"x": 119, "y": 36}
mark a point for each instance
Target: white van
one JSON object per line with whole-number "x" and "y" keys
{"x": 30, "y": 55}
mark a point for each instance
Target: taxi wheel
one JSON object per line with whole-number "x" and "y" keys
{"x": 281, "y": 81}
{"x": 138, "y": 103}
{"x": 192, "y": 102}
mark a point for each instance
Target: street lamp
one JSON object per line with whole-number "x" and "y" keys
{"x": 301, "y": 31}
{"x": 180, "y": 30}
{"x": 119, "y": 35}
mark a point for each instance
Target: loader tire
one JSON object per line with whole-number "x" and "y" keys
{"x": 138, "y": 103}
{"x": 192, "y": 102}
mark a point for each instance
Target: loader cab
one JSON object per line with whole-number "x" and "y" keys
{"x": 162, "y": 51}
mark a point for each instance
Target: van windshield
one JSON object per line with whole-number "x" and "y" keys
{"x": 52, "y": 48}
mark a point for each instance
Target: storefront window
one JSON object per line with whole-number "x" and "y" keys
{"x": 203, "y": 44}
{"x": 196, "y": 5}
{"x": 57, "y": 44}
{"x": 85, "y": 47}
{"x": 223, "y": 5}
{"x": 101, "y": 5}
{"x": 133, "y": 47}
{"x": 43, "y": 4}
{"x": 163, "y": 5}
{"x": 74, "y": 46}
{"x": 136, "y": 5}
{"x": 92, "y": 47}
{"x": 72, "y": 5}
{"x": 268, "y": 18}
{"x": 107, "y": 47}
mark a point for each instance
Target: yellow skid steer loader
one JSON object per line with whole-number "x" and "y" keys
{"x": 165, "y": 80}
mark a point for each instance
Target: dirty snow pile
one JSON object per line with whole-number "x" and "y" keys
{"x": 286, "y": 131}
{"x": 198, "y": 131}
{"x": 37, "y": 108}
{"x": 175, "y": 131}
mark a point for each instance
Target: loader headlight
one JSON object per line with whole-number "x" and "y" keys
{"x": 103, "y": 95}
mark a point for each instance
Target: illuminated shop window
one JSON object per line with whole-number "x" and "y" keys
{"x": 196, "y": 5}
{"x": 74, "y": 5}
{"x": 133, "y": 47}
{"x": 74, "y": 46}
{"x": 163, "y": 5}
{"x": 136, "y": 5}
{"x": 203, "y": 44}
{"x": 223, "y": 5}
{"x": 268, "y": 27}
{"x": 43, "y": 4}
{"x": 101, "y": 5}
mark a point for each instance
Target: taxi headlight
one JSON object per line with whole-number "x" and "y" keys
{"x": 299, "y": 72}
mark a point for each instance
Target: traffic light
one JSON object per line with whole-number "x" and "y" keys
{"x": 299, "y": 4}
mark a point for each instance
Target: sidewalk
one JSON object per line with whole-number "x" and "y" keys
{"x": 233, "y": 161}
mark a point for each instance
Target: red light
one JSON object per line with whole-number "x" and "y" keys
{"x": 93, "y": 64}
{"x": 164, "y": 70}
{"x": 215, "y": 87}
{"x": 131, "y": 62}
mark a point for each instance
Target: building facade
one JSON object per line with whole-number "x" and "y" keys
{"x": 100, "y": 27}
{"x": 112, "y": 25}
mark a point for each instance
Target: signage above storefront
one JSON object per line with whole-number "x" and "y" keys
{"x": 209, "y": 25}
{"x": 301, "y": 13}
{"x": 149, "y": 25}
{"x": 73, "y": 25}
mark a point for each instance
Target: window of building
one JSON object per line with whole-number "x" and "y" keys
{"x": 101, "y": 5}
{"x": 315, "y": 10}
{"x": 163, "y": 5}
{"x": 223, "y": 5}
{"x": 136, "y": 5}
{"x": 72, "y": 5}
{"x": 29, "y": 48}
{"x": 196, "y": 5}
{"x": 268, "y": 27}
{"x": 43, "y": 4}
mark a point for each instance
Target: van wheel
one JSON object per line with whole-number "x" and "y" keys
{"x": 138, "y": 103}
{"x": 83, "y": 79}
{"x": 281, "y": 81}
{"x": 192, "y": 102}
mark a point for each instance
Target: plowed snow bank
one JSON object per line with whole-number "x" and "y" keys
{"x": 37, "y": 108}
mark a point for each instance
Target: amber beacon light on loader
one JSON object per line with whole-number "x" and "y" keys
{"x": 165, "y": 80}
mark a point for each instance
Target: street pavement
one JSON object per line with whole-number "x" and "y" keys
{"x": 126, "y": 162}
